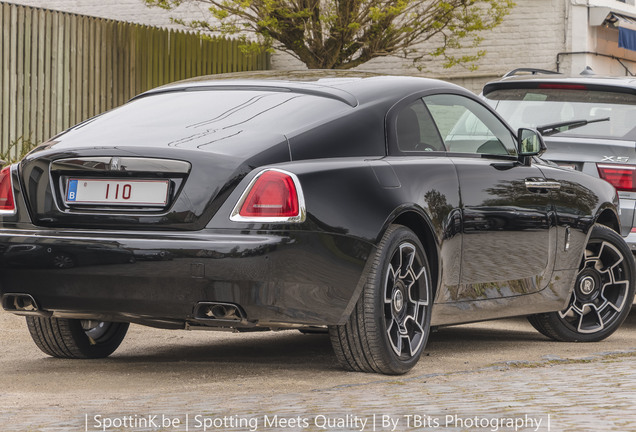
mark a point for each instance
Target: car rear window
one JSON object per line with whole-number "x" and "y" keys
{"x": 210, "y": 115}
{"x": 540, "y": 107}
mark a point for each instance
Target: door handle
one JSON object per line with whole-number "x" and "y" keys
{"x": 542, "y": 186}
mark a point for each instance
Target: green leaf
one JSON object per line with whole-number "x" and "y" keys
{"x": 347, "y": 33}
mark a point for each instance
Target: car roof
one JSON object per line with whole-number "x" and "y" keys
{"x": 351, "y": 87}
{"x": 622, "y": 84}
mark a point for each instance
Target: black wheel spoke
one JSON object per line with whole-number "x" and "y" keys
{"x": 414, "y": 333}
{"x": 389, "y": 283}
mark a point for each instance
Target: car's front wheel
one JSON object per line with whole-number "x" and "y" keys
{"x": 603, "y": 292}
{"x": 74, "y": 338}
{"x": 390, "y": 324}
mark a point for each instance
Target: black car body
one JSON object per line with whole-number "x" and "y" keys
{"x": 597, "y": 132}
{"x": 281, "y": 204}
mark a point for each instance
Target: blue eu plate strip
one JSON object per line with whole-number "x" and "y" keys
{"x": 71, "y": 195}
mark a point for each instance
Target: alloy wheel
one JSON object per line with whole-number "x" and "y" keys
{"x": 601, "y": 289}
{"x": 405, "y": 301}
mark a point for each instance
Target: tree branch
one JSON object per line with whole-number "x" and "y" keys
{"x": 347, "y": 33}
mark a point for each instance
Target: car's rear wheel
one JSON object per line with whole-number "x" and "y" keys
{"x": 74, "y": 338}
{"x": 602, "y": 296}
{"x": 390, "y": 324}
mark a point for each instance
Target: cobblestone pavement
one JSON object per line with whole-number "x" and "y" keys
{"x": 567, "y": 387}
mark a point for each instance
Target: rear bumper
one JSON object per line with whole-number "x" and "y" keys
{"x": 275, "y": 279}
{"x": 628, "y": 220}
{"x": 631, "y": 241}
{"x": 627, "y": 207}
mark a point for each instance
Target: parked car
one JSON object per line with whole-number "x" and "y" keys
{"x": 344, "y": 203}
{"x": 587, "y": 121}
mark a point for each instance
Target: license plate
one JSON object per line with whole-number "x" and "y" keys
{"x": 117, "y": 192}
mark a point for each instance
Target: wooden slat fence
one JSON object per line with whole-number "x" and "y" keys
{"x": 57, "y": 69}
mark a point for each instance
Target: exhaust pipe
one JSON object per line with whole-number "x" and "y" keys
{"x": 22, "y": 304}
{"x": 219, "y": 312}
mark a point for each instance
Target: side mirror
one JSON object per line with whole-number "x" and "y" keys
{"x": 530, "y": 143}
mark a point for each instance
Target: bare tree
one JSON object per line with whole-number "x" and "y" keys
{"x": 341, "y": 34}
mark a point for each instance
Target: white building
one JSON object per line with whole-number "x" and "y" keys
{"x": 564, "y": 35}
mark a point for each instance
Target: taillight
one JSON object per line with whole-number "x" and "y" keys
{"x": 272, "y": 196}
{"x": 7, "y": 203}
{"x": 622, "y": 177}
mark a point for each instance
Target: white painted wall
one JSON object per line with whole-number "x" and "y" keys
{"x": 529, "y": 37}
{"x": 121, "y": 10}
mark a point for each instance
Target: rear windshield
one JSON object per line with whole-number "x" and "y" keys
{"x": 208, "y": 116}
{"x": 540, "y": 107}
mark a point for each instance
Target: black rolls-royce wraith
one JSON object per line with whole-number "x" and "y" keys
{"x": 376, "y": 207}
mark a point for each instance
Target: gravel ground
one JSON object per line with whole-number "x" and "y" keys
{"x": 495, "y": 376}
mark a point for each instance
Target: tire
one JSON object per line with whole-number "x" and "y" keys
{"x": 73, "y": 338}
{"x": 603, "y": 292}
{"x": 389, "y": 326}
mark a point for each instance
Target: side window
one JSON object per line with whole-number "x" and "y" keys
{"x": 416, "y": 130}
{"x": 468, "y": 127}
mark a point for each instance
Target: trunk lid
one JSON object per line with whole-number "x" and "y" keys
{"x": 579, "y": 151}
{"x": 194, "y": 183}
